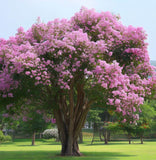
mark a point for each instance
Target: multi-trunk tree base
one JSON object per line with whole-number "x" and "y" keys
{"x": 70, "y": 118}
{"x": 67, "y": 152}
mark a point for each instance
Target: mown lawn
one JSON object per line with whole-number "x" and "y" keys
{"x": 49, "y": 150}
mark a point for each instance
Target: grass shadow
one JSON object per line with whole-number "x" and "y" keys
{"x": 27, "y": 145}
{"x": 103, "y": 144}
{"x": 36, "y": 144}
{"x": 54, "y": 155}
{"x": 28, "y": 142}
{"x": 105, "y": 155}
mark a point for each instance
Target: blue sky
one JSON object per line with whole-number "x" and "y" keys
{"x": 16, "y": 13}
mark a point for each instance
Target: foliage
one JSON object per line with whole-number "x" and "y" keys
{"x": 4, "y": 138}
{"x": 147, "y": 118}
{"x": 7, "y": 138}
{"x": 1, "y": 136}
{"x": 50, "y": 133}
{"x": 112, "y": 126}
{"x": 93, "y": 116}
{"x": 148, "y": 112}
{"x": 33, "y": 122}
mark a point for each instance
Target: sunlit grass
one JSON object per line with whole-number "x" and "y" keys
{"x": 49, "y": 150}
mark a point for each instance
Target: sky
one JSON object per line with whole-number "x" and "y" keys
{"x": 16, "y": 13}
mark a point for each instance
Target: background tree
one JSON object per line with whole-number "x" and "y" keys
{"x": 153, "y": 123}
{"x": 32, "y": 120}
{"x": 93, "y": 117}
{"x": 109, "y": 128}
{"x": 141, "y": 125}
{"x": 69, "y": 64}
{"x": 32, "y": 124}
{"x": 147, "y": 119}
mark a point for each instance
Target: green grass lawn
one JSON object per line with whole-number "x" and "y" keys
{"x": 49, "y": 150}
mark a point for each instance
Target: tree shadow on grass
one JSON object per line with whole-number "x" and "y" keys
{"x": 105, "y": 155}
{"x": 22, "y": 145}
{"x": 54, "y": 155}
{"x": 26, "y": 155}
{"x": 38, "y": 142}
{"x": 114, "y": 143}
{"x": 26, "y": 145}
{"x": 103, "y": 144}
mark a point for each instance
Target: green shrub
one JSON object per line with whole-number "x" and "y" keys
{"x": 1, "y": 137}
{"x": 7, "y": 138}
{"x": 1, "y": 133}
{"x": 4, "y": 138}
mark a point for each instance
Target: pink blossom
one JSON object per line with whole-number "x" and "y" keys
{"x": 134, "y": 109}
{"x": 20, "y": 30}
{"x": 10, "y": 94}
{"x": 38, "y": 111}
{"x": 4, "y": 95}
{"x": 25, "y": 119}
{"x": 104, "y": 85}
{"x": 27, "y": 72}
{"x": 110, "y": 53}
{"x": 124, "y": 121}
{"x": 53, "y": 120}
{"x": 117, "y": 101}
{"x": 111, "y": 101}
{"x": 6, "y": 115}
{"x": 74, "y": 70}
{"x": 8, "y": 106}
{"x": 38, "y": 78}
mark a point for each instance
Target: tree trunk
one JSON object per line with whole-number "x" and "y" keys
{"x": 129, "y": 138}
{"x": 141, "y": 138}
{"x": 68, "y": 137}
{"x": 40, "y": 135}
{"x": 109, "y": 135}
{"x": 33, "y": 138}
{"x": 106, "y": 136}
{"x": 66, "y": 147}
{"x": 70, "y": 118}
{"x": 81, "y": 137}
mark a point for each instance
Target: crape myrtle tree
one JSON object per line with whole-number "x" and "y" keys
{"x": 68, "y": 65}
